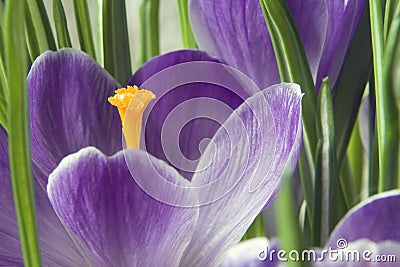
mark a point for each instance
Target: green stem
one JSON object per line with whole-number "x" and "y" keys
{"x": 373, "y": 166}
{"x": 390, "y": 8}
{"x": 287, "y": 222}
{"x": 4, "y": 94}
{"x": 293, "y": 67}
{"x": 32, "y": 42}
{"x": 149, "y": 30}
{"x": 256, "y": 229}
{"x": 154, "y": 40}
{"x": 117, "y": 59}
{"x": 144, "y": 54}
{"x": 347, "y": 183}
{"x": 188, "y": 39}
{"x": 387, "y": 121}
{"x": 355, "y": 158}
{"x": 60, "y": 22}
{"x": 327, "y": 187}
{"x": 84, "y": 27}
{"x": 18, "y": 134}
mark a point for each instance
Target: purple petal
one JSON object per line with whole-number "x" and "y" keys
{"x": 111, "y": 218}
{"x": 311, "y": 17}
{"x": 164, "y": 61}
{"x": 342, "y": 23}
{"x": 9, "y": 238}
{"x": 68, "y": 94}
{"x": 194, "y": 96}
{"x": 239, "y": 173}
{"x": 376, "y": 218}
{"x": 236, "y": 32}
{"x": 250, "y": 253}
{"x": 56, "y": 246}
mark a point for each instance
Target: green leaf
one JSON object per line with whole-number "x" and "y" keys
{"x": 32, "y": 41}
{"x": 288, "y": 229}
{"x": 116, "y": 43}
{"x": 326, "y": 185}
{"x": 355, "y": 159}
{"x": 390, "y": 8}
{"x": 386, "y": 110}
{"x": 60, "y": 21}
{"x": 153, "y": 41}
{"x": 84, "y": 27}
{"x": 256, "y": 229}
{"x": 1, "y": 13}
{"x": 373, "y": 166}
{"x": 144, "y": 54}
{"x": 188, "y": 39}
{"x": 149, "y": 30}
{"x": 41, "y": 25}
{"x": 348, "y": 185}
{"x": 18, "y": 131}
{"x": 96, "y": 9}
{"x": 4, "y": 94}
{"x": 293, "y": 67}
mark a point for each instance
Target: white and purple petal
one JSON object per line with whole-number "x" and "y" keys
{"x": 114, "y": 222}
{"x": 239, "y": 172}
{"x": 377, "y": 218}
{"x": 235, "y": 32}
{"x": 68, "y": 108}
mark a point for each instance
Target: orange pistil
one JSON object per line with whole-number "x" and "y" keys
{"x": 131, "y": 103}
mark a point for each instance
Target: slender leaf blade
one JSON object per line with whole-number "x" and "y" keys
{"x": 3, "y": 84}
{"x": 115, "y": 40}
{"x": 32, "y": 42}
{"x": 188, "y": 39}
{"x": 84, "y": 27}
{"x": 326, "y": 173}
{"x": 18, "y": 134}
{"x": 41, "y": 26}
{"x": 386, "y": 110}
{"x": 60, "y": 21}
{"x": 293, "y": 67}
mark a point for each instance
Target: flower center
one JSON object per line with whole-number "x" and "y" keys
{"x": 131, "y": 103}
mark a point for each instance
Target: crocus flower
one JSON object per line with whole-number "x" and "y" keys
{"x": 236, "y": 33}
{"x": 368, "y": 235}
{"x": 91, "y": 211}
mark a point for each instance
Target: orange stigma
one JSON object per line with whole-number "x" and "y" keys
{"x": 131, "y": 103}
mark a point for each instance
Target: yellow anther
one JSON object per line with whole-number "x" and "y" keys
{"x": 131, "y": 103}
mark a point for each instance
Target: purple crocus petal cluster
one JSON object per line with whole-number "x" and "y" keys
{"x": 370, "y": 226}
{"x": 91, "y": 212}
{"x": 236, "y": 32}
